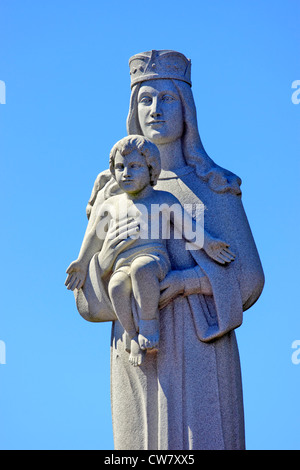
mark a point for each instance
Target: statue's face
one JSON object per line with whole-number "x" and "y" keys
{"x": 131, "y": 172}
{"x": 160, "y": 111}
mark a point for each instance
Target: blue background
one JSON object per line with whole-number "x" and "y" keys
{"x": 65, "y": 66}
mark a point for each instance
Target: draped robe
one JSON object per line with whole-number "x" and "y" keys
{"x": 188, "y": 394}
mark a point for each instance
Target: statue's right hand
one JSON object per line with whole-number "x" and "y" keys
{"x": 76, "y": 275}
{"x": 118, "y": 238}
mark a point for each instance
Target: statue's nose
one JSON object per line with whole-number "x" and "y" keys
{"x": 155, "y": 108}
{"x": 126, "y": 173}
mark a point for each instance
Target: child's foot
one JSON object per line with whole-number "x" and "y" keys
{"x": 148, "y": 334}
{"x": 136, "y": 357}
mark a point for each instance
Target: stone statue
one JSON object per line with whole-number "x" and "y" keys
{"x": 139, "y": 269}
{"x": 176, "y": 298}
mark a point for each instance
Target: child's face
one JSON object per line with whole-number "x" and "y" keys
{"x": 131, "y": 172}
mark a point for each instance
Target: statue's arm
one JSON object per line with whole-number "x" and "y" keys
{"x": 235, "y": 286}
{"x": 92, "y": 300}
{"x": 247, "y": 266}
{"x": 94, "y": 236}
{"x": 184, "y": 282}
{"x": 100, "y": 182}
{"x": 93, "y": 208}
{"x": 196, "y": 282}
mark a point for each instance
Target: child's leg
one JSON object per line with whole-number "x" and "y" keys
{"x": 120, "y": 289}
{"x": 145, "y": 277}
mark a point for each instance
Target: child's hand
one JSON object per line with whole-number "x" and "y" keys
{"x": 218, "y": 251}
{"x": 76, "y": 275}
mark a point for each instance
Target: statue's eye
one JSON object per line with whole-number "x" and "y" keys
{"x": 168, "y": 98}
{"x": 146, "y": 100}
{"x": 135, "y": 165}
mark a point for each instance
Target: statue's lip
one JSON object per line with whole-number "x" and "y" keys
{"x": 155, "y": 122}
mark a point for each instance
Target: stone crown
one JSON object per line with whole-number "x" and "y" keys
{"x": 154, "y": 65}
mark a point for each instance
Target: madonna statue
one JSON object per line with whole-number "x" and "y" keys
{"x": 187, "y": 394}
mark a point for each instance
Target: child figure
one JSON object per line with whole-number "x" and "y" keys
{"x": 139, "y": 269}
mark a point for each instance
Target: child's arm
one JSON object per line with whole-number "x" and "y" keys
{"x": 92, "y": 243}
{"x": 193, "y": 231}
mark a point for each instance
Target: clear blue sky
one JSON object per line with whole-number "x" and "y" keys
{"x": 65, "y": 67}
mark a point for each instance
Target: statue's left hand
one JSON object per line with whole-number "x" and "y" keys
{"x": 171, "y": 287}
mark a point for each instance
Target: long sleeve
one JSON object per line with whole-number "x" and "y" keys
{"x": 196, "y": 282}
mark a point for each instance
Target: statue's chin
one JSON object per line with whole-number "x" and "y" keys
{"x": 162, "y": 138}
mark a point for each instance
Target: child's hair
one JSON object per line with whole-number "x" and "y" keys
{"x": 145, "y": 148}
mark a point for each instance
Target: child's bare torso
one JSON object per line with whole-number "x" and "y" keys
{"x": 151, "y": 213}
